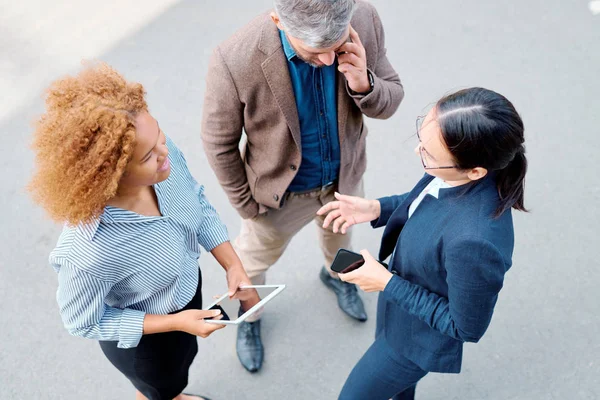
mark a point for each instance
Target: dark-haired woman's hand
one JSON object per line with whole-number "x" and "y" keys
{"x": 371, "y": 277}
{"x": 349, "y": 210}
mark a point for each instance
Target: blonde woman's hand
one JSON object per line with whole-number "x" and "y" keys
{"x": 192, "y": 322}
{"x": 346, "y": 211}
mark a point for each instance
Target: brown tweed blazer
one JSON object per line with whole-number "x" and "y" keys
{"x": 248, "y": 88}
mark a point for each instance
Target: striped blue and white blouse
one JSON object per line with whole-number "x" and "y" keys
{"x": 124, "y": 265}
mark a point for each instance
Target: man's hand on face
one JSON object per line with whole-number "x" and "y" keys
{"x": 352, "y": 62}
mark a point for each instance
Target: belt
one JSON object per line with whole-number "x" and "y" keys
{"x": 317, "y": 189}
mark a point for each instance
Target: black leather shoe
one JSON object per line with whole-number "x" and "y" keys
{"x": 249, "y": 346}
{"x": 348, "y": 298}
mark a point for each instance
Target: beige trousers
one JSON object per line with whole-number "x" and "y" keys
{"x": 263, "y": 239}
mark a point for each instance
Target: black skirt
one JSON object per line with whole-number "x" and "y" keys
{"x": 158, "y": 367}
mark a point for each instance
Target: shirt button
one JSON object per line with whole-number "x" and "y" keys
{"x": 276, "y": 197}
{"x": 293, "y": 167}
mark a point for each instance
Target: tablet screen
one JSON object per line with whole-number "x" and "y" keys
{"x": 246, "y": 298}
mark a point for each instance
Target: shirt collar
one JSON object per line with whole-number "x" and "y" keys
{"x": 435, "y": 185}
{"x": 89, "y": 229}
{"x": 482, "y": 184}
{"x": 287, "y": 47}
{"x": 112, "y": 215}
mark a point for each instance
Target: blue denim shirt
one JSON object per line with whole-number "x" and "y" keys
{"x": 315, "y": 91}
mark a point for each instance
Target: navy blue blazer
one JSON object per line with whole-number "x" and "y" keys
{"x": 449, "y": 262}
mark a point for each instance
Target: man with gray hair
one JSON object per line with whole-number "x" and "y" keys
{"x": 298, "y": 81}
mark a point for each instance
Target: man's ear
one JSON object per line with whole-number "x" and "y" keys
{"x": 276, "y": 20}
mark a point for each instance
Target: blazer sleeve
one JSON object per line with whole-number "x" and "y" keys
{"x": 388, "y": 205}
{"x": 475, "y": 274}
{"x": 84, "y": 313}
{"x": 222, "y": 124}
{"x": 388, "y": 91}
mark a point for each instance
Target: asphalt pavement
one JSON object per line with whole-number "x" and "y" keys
{"x": 543, "y": 55}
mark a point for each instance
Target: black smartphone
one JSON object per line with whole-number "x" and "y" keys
{"x": 339, "y": 53}
{"x": 347, "y": 261}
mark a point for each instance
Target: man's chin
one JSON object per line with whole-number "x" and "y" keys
{"x": 311, "y": 63}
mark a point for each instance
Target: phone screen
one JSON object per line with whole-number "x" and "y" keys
{"x": 244, "y": 299}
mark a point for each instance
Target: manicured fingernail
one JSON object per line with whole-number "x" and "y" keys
{"x": 217, "y": 312}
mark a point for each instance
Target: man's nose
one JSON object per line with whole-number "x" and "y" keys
{"x": 327, "y": 58}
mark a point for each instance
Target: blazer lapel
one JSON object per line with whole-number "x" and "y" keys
{"x": 276, "y": 72}
{"x": 343, "y": 105}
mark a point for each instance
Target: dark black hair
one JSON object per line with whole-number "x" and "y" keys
{"x": 481, "y": 128}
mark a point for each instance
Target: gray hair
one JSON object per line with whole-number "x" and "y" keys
{"x": 317, "y": 23}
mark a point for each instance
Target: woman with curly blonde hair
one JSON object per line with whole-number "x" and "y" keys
{"x": 127, "y": 259}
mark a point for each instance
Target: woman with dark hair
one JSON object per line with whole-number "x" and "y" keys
{"x": 135, "y": 218}
{"x": 450, "y": 239}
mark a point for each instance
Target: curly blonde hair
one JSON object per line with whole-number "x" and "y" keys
{"x": 83, "y": 142}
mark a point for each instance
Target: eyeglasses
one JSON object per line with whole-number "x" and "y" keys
{"x": 422, "y": 151}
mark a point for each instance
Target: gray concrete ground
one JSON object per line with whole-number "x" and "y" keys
{"x": 543, "y": 55}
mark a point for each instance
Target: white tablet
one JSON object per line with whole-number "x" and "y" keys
{"x": 250, "y": 298}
